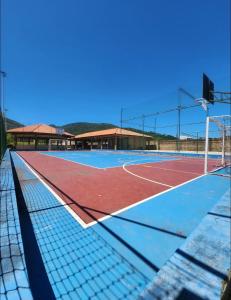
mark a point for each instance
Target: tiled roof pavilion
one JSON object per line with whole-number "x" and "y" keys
{"x": 114, "y": 138}
{"x": 39, "y": 129}
{"x": 111, "y": 132}
{"x": 39, "y": 137}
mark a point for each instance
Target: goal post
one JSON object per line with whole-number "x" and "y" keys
{"x": 57, "y": 144}
{"x": 218, "y": 143}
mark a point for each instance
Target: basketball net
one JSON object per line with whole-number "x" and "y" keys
{"x": 204, "y": 103}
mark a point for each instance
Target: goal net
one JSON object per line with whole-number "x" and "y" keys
{"x": 218, "y": 145}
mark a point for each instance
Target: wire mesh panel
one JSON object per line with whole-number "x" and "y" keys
{"x": 175, "y": 120}
{"x": 175, "y": 127}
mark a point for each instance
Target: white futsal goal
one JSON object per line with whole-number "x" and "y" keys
{"x": 218, "y": 144}
{"x": 57, "y": 144}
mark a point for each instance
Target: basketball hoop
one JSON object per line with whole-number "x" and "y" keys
{"x": 203, "y": 102}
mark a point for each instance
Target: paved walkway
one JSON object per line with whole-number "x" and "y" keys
{"x": 198, "y": 269}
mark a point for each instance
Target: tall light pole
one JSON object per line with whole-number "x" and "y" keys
{"x": 155, "y": 125}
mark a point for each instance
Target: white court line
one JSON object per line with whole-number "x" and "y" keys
{"x": 76, "y": 162}
{"x": 142, "y": 201}
{"x": 86, "y": 225}
{"x": 187, "y": 172}
{"x": 144, "y": 178}
{"x": 113, "y": 167}
{"x": 65, "y": 205}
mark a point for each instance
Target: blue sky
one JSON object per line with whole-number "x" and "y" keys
{"x": 70, "y": 61}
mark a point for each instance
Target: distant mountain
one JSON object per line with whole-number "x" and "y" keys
{"x": 156, "y": 135}
{"x": 82, "y": 127}
{"x": 11, "y": 124}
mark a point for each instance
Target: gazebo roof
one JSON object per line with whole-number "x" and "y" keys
{"x": 40, "y": 129}
{"x": 110, "y": 132}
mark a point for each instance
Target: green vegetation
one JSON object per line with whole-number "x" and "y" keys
{"x": 10, "y": 139}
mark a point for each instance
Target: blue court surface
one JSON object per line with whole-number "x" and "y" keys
{"x": 108, "y": 159}
{"x": 120, "y": 257}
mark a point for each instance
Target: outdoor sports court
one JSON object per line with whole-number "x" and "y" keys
{"x": 106, "y": 224}
{"x": 98, "y": 184}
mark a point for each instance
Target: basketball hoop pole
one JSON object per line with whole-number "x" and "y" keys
{"x": 206, "y": 145}
{"x": 207, "y": 111}
{"x": 223, "y": 147}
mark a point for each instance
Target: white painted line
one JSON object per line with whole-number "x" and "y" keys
{"x": 78, "y": 163}
{"x": 65, "y": 205}
{"x": 144, "y": 178}
{"x": 143, "y": 201}
{"x": 143, "y": 158}
{"x": 166, "y": 169}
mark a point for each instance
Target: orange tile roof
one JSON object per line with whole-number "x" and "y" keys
{"x": 38, "y": 128}
{"x": 112, "y": 131}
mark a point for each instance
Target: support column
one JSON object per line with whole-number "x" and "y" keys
{"x": 115, "y": 145}
{"x": 91, "y": 144}
{"x": 101, "y": 144}
{"x": 36, "y": 143}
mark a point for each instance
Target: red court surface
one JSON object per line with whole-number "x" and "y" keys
{"x": 95, "y": 193}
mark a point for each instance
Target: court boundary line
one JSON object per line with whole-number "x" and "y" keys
{"x": 72, "y": 161}
{"x": 64, "y": 204}
{"x": 86, "y": 225}
{"x": 142, "y": 201}
{"x": 105, "y": 168}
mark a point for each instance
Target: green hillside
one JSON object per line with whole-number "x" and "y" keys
{"x": 157, "y": 135}
{"x": 82, "y": 127}
{"x": 11, "y": 124}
